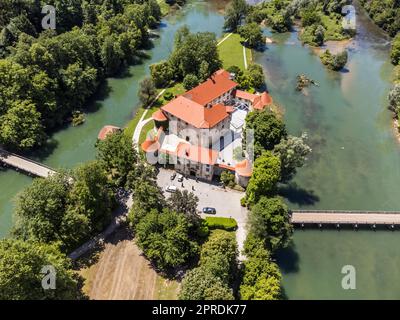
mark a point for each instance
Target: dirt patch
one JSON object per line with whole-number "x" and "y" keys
{"x": 121, "y": 272}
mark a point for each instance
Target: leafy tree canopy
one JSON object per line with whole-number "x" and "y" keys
{"x": 20, "y": 272}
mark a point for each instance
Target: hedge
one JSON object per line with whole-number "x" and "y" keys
{"x": 228, "y": 224}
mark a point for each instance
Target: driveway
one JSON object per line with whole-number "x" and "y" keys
{"x": 225, "y": 201}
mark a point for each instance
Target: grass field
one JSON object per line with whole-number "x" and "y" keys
{"x": 146, "y": 128}
{"x": 231, "y": 52}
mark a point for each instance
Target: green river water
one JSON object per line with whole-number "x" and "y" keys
{"x": 355, "y": 162}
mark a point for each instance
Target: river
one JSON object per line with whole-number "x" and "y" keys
{"x": 354, "y": 165}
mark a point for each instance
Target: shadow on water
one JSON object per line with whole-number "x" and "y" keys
{"x": 288, "y": 259}
{"x": 43, "y": 152}
{"x": 298, "y": 195}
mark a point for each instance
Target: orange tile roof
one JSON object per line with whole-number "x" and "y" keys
{"x": 245, "y": 95}
{"x": 197, "y": 153}
{"x": 159, "y": 116}
{"x": 106, "y": 130}
{"x": 153, "y": 144}
{"x": 244, "y": 168}
{"x": 150, "y": 146}
{"x": 195, "y": 114}
{"x": 265, "y": 100}
{"x": 212, "y": 88}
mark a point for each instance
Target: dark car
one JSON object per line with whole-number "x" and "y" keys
{"x": 173, "y": 176}
{"x": 209, "y": 210}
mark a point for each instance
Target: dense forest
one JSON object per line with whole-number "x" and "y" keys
{"x": 46, "y": 75}
{"x": 385, "y": 13}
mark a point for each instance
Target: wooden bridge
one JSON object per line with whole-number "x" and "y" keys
{"x": 26, "y": 165}
{"x": 336, "y": 217}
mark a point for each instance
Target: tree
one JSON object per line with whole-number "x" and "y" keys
{"x": 65, "y": 207}
{"x": 395, "y": 52}
{"x": 40, "y": 209}
{"x": 310, "y": 16}
{"x": 228, "y": 179}
{"x": 313, "y": 35}
{"x": 164, "y": 238}
{"x": 334, "y": 62}
{"x": 293, "y": 153}
{"x": 256, "y": 75}
{"x": 201, "y": 284}
{"x": 190, "y": 81}
{"x": 21, "y": 277}
{"x": 265, "y": 176}
{"x": 269, "y": 221}
{"x": 181, "y": 35}
{"x": 21, "y": 126}
{"x": 252, "y": 34}
{"x": 394, "y": 98}
{"x": 261, "y": 277}
{"x": 280, "y": 22}
{"x": 147, "y": 91}
{"x": 91, "y": 199}
{"x": 268, "y": 130}
{"x": 219, "y": 255}
{"x": 185, "y": 202}
{"x": 196, "y": 54}
{"x": 236, "y": 10}
{"x": 161, "y": 73}
{"x": 146, "y": 197}
{"x": 118, "y": 157}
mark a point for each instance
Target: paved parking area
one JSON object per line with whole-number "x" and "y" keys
{"x": 225, "y": 201}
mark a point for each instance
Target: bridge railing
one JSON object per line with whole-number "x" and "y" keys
{"x": 345, "y": 211}
{"x": 4, "y": 153}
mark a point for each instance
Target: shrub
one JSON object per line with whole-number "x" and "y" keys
{"x": 228, "y": 179}
{"x": 190, "y": 81}
{"x": 395, "y": 52}
{"x": 168, "y": 95}
{"x": 334, "y": 61}
{"x": 228, "y": 224}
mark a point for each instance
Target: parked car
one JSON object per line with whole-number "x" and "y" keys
{"x": 209, "y": 210}
{"x": 180, "y": 177}
{"x": 173, "y": 176}
{"x": 171, "y": 189}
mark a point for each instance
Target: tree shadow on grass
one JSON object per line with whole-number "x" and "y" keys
{"x": 298, "y": 195}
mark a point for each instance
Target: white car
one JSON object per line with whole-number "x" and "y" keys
{"x": 171, "y": 189}
{"x": 180, "y": 178}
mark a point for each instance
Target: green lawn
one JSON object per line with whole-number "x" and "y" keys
{"x": 231, "y": 52}
{"x": 145, "y": 130}
{"x": 228, "y": 224}
{"x": 130, "y": 128}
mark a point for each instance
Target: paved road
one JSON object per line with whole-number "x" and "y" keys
{"x": 345, "y": 218}
{"x": 225, "y": 201}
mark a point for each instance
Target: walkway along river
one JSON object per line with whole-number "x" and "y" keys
{"x": 355, "y": 163}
